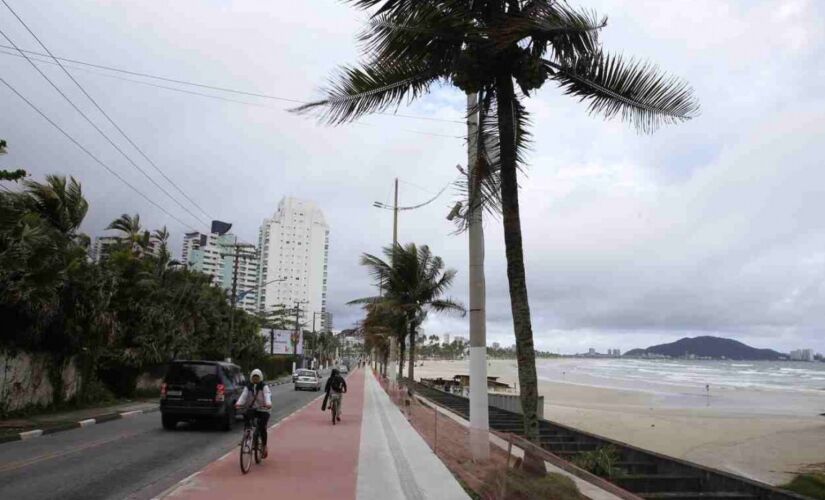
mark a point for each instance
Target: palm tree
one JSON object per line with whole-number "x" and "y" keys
{"x": 60, "y": 202}
{"x": 484, "y": 47}
{"x": 135, "y": 237}
{"x": 414, "y": 283}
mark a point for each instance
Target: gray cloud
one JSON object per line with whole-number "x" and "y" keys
{"x": 713, "y": 226}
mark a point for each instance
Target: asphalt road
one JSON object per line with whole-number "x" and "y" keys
{"x": 128, "y": 458}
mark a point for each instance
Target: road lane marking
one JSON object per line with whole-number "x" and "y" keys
{"x": 57, "y": 454}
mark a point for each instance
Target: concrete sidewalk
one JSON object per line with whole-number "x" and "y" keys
{"x": 373, "y": 453}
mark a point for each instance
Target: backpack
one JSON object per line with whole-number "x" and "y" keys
{"x": 337, "y": 384}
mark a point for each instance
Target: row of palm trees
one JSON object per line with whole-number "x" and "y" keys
{"x": 502, "y": 51}
{"x": 413, "y": 282}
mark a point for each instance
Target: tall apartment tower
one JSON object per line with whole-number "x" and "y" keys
{"x": 211, "y": 254}
{"x": 294, "y": 247}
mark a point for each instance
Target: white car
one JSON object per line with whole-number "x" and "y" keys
{"x": 343, "y": 370}
{"x": 307, "y": 379}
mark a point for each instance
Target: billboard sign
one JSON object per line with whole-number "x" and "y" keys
{"x": 281, "y": 341}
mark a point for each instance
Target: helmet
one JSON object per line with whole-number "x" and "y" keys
{"x": 258, "y": 373}
{"x": 334, "y": 372}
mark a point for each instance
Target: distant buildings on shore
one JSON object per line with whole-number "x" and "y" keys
{"x": 802, "y": 355}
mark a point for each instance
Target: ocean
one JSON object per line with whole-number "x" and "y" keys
{"x": 624, "y": 373}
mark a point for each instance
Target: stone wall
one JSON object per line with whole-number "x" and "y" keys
{"x": 25, "y": 382}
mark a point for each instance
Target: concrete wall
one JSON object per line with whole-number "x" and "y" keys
{"x": 512, "y": 402}
{"x": 24, "y": 380}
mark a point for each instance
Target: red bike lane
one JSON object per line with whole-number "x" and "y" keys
{"x": 308, "y": 458}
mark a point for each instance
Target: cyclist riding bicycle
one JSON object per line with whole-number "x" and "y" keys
{"x": 336, "y": 386}
{"x": 257, "y": 396}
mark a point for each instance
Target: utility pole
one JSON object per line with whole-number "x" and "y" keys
{"x": 479, "y": 409}
{"x": 238, "y": 254}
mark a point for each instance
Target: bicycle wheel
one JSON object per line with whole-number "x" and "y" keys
{"x": 246, "y": 451}
{"x": 334, "y": 411}
{"x": 257, "y": 447}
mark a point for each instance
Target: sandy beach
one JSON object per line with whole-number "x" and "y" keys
{"x": 768, "y": 435}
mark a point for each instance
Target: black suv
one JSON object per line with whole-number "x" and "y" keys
{"x": 199, "y": 390}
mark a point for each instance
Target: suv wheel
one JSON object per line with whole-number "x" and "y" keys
{"x": 169, "y": 423}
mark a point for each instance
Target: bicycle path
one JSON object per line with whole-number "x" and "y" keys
{"x": 373, "y": 453}
{"x": 308, "y": 458}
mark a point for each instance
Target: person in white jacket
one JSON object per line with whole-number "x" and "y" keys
{"x": 258, "y": 399}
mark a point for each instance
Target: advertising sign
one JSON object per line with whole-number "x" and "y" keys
{"x": 281, "y": 341}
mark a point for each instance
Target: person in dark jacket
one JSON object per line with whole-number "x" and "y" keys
{"x": 335, "y": 388}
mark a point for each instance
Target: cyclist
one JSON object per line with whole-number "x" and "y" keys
{"x": 336, "y": 386}
{"x": 258, "y": 397}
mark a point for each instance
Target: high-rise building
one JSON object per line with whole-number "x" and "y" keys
{"x": 292, "y": 271}
{"x": 212, "y": 254}
{"x": 446, "y": 338}
{"x": 102, "y": 246}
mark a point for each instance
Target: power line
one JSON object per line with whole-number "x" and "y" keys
{"x": 93, "y": 157}
{"x": 99, "y": 108}
{"x": 221, "y": 89}
{"x": 211, "y": 96}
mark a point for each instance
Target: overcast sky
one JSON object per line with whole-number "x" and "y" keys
{"x": 713, "y": 227}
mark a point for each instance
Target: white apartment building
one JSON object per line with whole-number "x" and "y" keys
{"x": 103, "y": 245}
{"x": 212, "y": 254}
{"x": 294, "y": 247}
{"x": 802, "y": 355}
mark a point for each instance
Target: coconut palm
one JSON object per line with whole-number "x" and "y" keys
{"x": 414, "y": 282}
{"x": 134, "y": 236}
{"x": 59, "y": 201}
{"x": 489, "y": 47}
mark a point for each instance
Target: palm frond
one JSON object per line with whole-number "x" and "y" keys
{"x": 636, "y": 91}
{"x": 448, "y": 305}
{"x": 568, "y": 30}
{"x": 376, "y": 87}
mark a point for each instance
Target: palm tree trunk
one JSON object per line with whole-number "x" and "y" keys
{"x": 401, "y": 349}
{"x": 411, "y": 368}
{"x": 525, "y": 350}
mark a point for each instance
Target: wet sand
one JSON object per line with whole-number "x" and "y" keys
{"x": 765, "y": 435}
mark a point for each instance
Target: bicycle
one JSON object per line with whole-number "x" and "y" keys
{"x": 250, "y": 442}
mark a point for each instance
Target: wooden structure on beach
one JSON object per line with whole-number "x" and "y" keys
{"x": 460, "y": 383}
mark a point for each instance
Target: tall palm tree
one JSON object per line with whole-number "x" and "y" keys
{"x": 414, "y": 282}
{"x": 136, "y": 238}
{"x": 489, "y": 47}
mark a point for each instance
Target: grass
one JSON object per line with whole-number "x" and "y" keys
{"x": 811, "y": 484}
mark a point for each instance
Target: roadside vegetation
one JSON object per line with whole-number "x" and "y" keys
{"x": 808, "y": 484}
{"x": 134, "y": 309}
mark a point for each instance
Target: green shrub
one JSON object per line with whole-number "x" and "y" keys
{"x": 518, "y": 485}
{"x": 601, "y": 461}
{"x": 812, "y": 485}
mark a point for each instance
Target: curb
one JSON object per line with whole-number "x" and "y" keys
{"x": 66, "y": 426}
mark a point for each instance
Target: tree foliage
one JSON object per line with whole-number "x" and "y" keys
{"x": 133, "y": 309}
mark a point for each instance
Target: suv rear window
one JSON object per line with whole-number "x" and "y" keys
{"x": 192, "y": 373}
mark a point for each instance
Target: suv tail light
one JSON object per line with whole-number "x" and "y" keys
{"x": 220, "y": 392}
{"x": 163, "y": 391}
